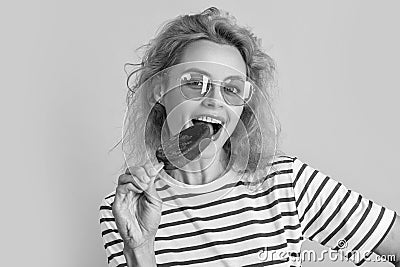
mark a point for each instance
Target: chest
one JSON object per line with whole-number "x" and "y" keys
{"x": 232, "y": 231}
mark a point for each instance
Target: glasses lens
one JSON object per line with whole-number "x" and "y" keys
{"x": 234, "y": 91}
{"x": 194, "y": 85}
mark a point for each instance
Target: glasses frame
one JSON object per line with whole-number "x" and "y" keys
{"x": 219, "y": 83}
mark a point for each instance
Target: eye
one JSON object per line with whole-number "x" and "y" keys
{"x": 194, "y": 81}
{"x": 234, "y": 86}
{"x": 231, "y": 89}
{"x": 194, "y": 84}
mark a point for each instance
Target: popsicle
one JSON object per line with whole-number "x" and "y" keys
{"x": 185, "y": 146}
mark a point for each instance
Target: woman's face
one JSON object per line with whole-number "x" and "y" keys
{"x": 219, "y": 62}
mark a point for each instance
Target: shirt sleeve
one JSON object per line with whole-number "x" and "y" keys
{"x": 112, "y": 240}
{"x": 337, "y": 217}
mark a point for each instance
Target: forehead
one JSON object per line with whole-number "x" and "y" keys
{"x": 219, "y": 60}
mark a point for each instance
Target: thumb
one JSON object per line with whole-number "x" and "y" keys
{"x": 151, "y": 191}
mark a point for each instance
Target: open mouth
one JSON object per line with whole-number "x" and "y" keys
{"x": 215, "y": 126}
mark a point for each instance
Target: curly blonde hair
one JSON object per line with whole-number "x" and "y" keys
{"x": 255, "y": 143}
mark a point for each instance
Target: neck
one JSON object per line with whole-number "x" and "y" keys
{"x": 203, "y": 170}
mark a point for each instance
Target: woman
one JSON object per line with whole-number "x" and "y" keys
{"x": 237, "y": 203}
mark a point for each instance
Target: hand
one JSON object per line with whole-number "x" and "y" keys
{"x": 137, "y": 206}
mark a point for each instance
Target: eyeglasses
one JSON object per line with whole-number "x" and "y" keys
{"x": 236, "y": 91}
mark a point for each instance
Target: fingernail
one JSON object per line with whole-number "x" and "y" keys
{"x": 153, "y": 171}
{"x": 159, "y": 167}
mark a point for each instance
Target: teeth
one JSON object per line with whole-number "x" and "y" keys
{"x": 189, "y": 124}
{"x": 208, "y": 119}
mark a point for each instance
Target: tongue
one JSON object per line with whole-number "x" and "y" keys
{"x": 209, "y": 123}
{"x": 185, "y": 146}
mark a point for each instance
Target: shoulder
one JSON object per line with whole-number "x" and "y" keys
{"x": 290, "y": 163}
{"x": 283, "y": 160}
{"x": 107, "y": 201}
{"x": 287, "y": 168}
{"x": 277, "y": 172}
{"x": 282, "y": 164}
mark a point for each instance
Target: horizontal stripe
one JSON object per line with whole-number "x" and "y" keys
{"x": 268, "y": 263}
{"x": 226, "y": 214}
{"x": 228, "y": 186}
{"x": 165, "y": 187}
{"x": 108, "y": 231}
{"x": 107, "y": 220}
{"x": 293, "y": 227}
{"x": 183, "y": 196}
{"x": 225, "y": 228}
{"x": 214, "y": 258}
{"x": 276, "y": 247}
{"x": 112, "y": 243}
{"x": 110, "y": 196}
{"x": 271, "y": 175}
{"x": 231, "y": 199}
{"x": 225, "y": 242}
{"x": 267, "y": 177}
{"x": 288, "y": 157}
{"x": 112, "y": 256}
{"x": 282, "y": 162}
{"x": 294, "y": 241}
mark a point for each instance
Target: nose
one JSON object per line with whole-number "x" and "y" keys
{"x": 214, "y": 97}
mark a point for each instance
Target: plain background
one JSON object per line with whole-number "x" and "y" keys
{"x": 63, "y": 95}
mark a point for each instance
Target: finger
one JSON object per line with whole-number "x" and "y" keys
{"x": 159, "y": 167}
{"x": 153, "y": 170}
{"x": 125, "y": 178}
{"x": 128, "y": 178}
{"x": 151, "y": 193}
{"x": 126, "y": 188}
{"x": 141, "y": 173}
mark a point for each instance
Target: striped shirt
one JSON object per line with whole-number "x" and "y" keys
{"x": 223, "y": 223}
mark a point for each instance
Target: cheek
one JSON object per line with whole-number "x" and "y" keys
{"x": 175, "y": 120}
{"x": 178, "y": 110}
{"x": 234, "y": 118}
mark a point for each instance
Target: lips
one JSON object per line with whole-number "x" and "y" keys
{"x": 217, "y": 123}
{"x": 216, "y": 135}
{"x": 215, "y": 126}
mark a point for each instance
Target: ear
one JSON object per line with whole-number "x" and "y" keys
{"x": 158, "y": 86}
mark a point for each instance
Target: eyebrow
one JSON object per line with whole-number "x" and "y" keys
{"x": 209, "y": 75}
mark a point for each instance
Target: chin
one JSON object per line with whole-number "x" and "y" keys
{"x": 214, "y": 148}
